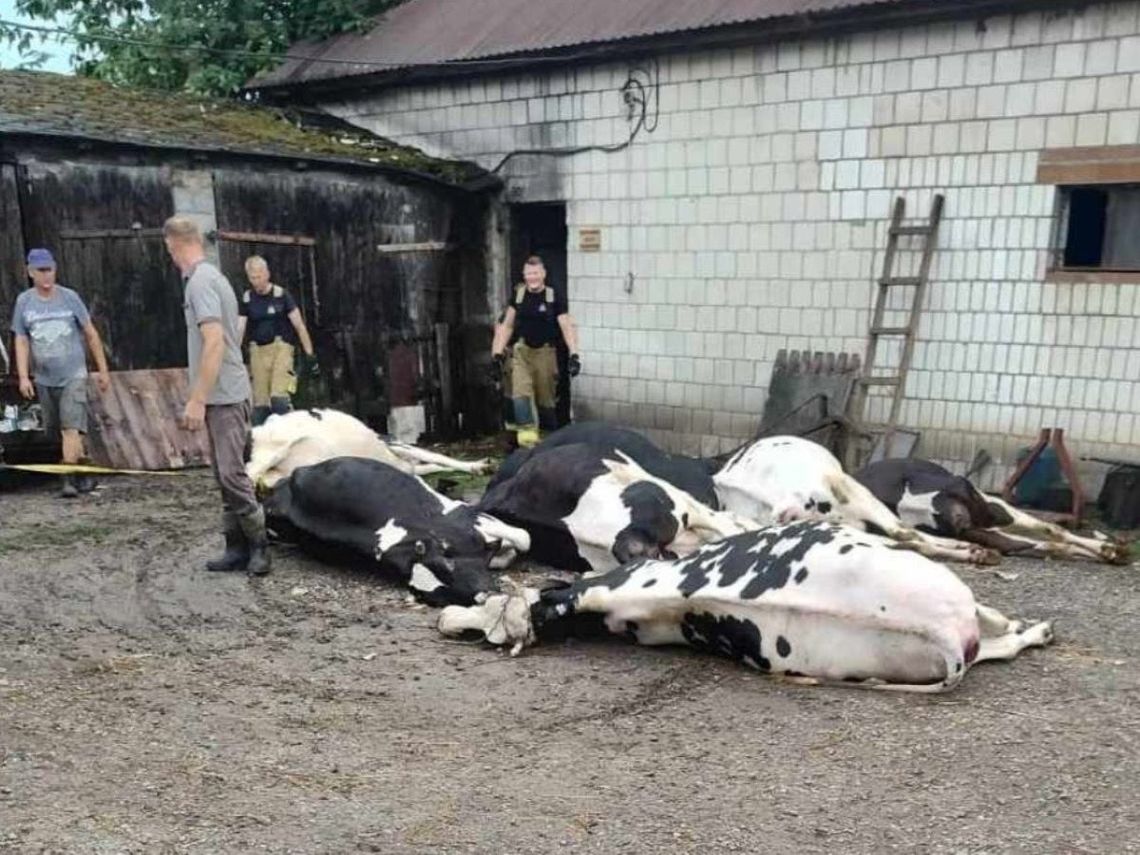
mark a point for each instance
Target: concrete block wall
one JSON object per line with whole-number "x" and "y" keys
{"x": 193, "y": 193}
{"x": 754, "y": 218}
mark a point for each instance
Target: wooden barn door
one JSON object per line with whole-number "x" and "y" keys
{"x": 292, "y": 264}
{"x": 104, "y": 222}
{"x": 13, "y": 278}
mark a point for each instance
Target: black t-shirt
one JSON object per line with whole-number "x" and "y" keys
{"x": 536, "y": 315}
{"x": 268, "y": 315}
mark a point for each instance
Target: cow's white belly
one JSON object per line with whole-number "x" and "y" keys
{"x": 871, "y": 612}
{"x": 779, "y": 480}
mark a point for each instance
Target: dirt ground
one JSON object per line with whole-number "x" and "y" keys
{"x": 147, "y": 706}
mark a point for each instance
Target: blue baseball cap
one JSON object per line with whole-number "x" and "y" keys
{"x": 40, "y": 258}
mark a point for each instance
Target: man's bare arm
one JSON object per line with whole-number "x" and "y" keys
{"x": 213, "y": 349}
{"x": 569, "y": 332}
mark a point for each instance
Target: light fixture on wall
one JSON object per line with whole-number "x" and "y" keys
{"x": 628, "y": 285}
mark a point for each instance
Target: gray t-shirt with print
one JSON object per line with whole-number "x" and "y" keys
{"x": 54, "y": 329}
{"x": 209, "y": 297}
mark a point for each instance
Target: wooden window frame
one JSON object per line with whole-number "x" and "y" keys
{"x": 1087, "y": 166}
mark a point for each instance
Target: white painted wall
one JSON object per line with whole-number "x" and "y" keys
{"x": 754, "y": 219}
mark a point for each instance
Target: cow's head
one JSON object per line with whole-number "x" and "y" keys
{"x": 439, "y": 570}
{"x": 666, "y": 522}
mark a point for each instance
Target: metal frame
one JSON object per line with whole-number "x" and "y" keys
{"x": 1056, "y": 438}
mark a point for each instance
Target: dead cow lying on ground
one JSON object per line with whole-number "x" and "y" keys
{"x": 304, "y": 437}
{"x": 777, "y": 479}
{"x": 363, "y": 509}
{"x": 784, "y": 478}
{"x": 810, "y": 599}
{"x": 934, "y": 500}
{"x": 691, "y": 474}
{"x": 589, "y": 508}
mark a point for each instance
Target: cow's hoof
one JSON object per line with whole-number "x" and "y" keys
{"x": 1116, "y": 553}
{"x": 1039, "y": 635}
{"x": 982, "y": 555}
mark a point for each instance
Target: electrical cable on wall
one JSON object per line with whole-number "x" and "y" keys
{"x": 637, "y": 97}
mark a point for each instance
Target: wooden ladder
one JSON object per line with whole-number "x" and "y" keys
{"x": 897, "y": 379}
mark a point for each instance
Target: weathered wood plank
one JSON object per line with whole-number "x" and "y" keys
{"x": 135, "y": 425}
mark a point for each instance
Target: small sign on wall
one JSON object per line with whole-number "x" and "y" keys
{"x": 589, "y": 240}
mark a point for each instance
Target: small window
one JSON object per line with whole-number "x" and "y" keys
{"x": 1100, "y": 227}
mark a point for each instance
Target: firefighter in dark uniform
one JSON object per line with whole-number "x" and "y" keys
{"x": 275, "y": 327}
{"x": 537, "y": 316}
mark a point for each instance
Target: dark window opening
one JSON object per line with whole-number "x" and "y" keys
{"x": 1101, "y": 227}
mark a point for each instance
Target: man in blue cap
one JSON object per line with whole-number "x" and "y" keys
{"x": 48, "y": 321}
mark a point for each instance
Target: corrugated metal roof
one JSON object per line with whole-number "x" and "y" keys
{"x": 33, "y": 102}
{"x": 424, "y": 32}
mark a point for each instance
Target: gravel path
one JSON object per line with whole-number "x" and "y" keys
{"x": 146, "y": 706}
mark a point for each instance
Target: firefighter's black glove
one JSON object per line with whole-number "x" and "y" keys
{"x": 311, "y": 367}
{"x": 574, "y": 366}
{"x": 497, "y": 366}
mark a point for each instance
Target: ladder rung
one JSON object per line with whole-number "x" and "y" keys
{"x": 890, "y": 330}
{"x": 879, "y": 381}
{"x": 911, "y": 230}
{"x": 900, "y": 280}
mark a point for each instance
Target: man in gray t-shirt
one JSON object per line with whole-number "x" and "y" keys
{"x": 219, "y": 395}
{"x": 209, "y": 297}
{"x": 50, "y": 323}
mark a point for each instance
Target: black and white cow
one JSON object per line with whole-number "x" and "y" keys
{"x": 784, "y": 478}
{"x": 589, "y": 510}
{"x": 934, "y": 500}
{"x": 440, "y": 548}
{"x": 821, "y": 602}
{"x": 691, "y": 474}
{"x": 301, "y": 438}
{"x": 777, "y": 479}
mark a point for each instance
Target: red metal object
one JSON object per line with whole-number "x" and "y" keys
{"x": 1056, "y": 438}
{"x": 403, "y": 375}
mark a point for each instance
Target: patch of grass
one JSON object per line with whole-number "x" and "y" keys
{"x": 459, "y": 483}
{"x": 479, "y": 448}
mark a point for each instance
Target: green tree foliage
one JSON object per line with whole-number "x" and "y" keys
{"x": 209, "y": 47}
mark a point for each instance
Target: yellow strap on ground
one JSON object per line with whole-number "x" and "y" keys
{"x": 77, "y": 469}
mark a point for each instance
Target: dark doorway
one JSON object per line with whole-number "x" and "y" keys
{"x": 540, "y": 229}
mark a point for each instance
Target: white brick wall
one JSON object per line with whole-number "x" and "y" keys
{"x": 754, "y": 218}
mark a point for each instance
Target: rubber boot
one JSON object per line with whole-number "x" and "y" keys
{"x": 280, "y": 406}
{"x": 85, "y": 483}
{"x": 260, "y": 414}
{"x": 67, "y": 488}
{"x": 236, "y": 556}
{"x": 253, "y": 527}
{"x": 547, "y": 419}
